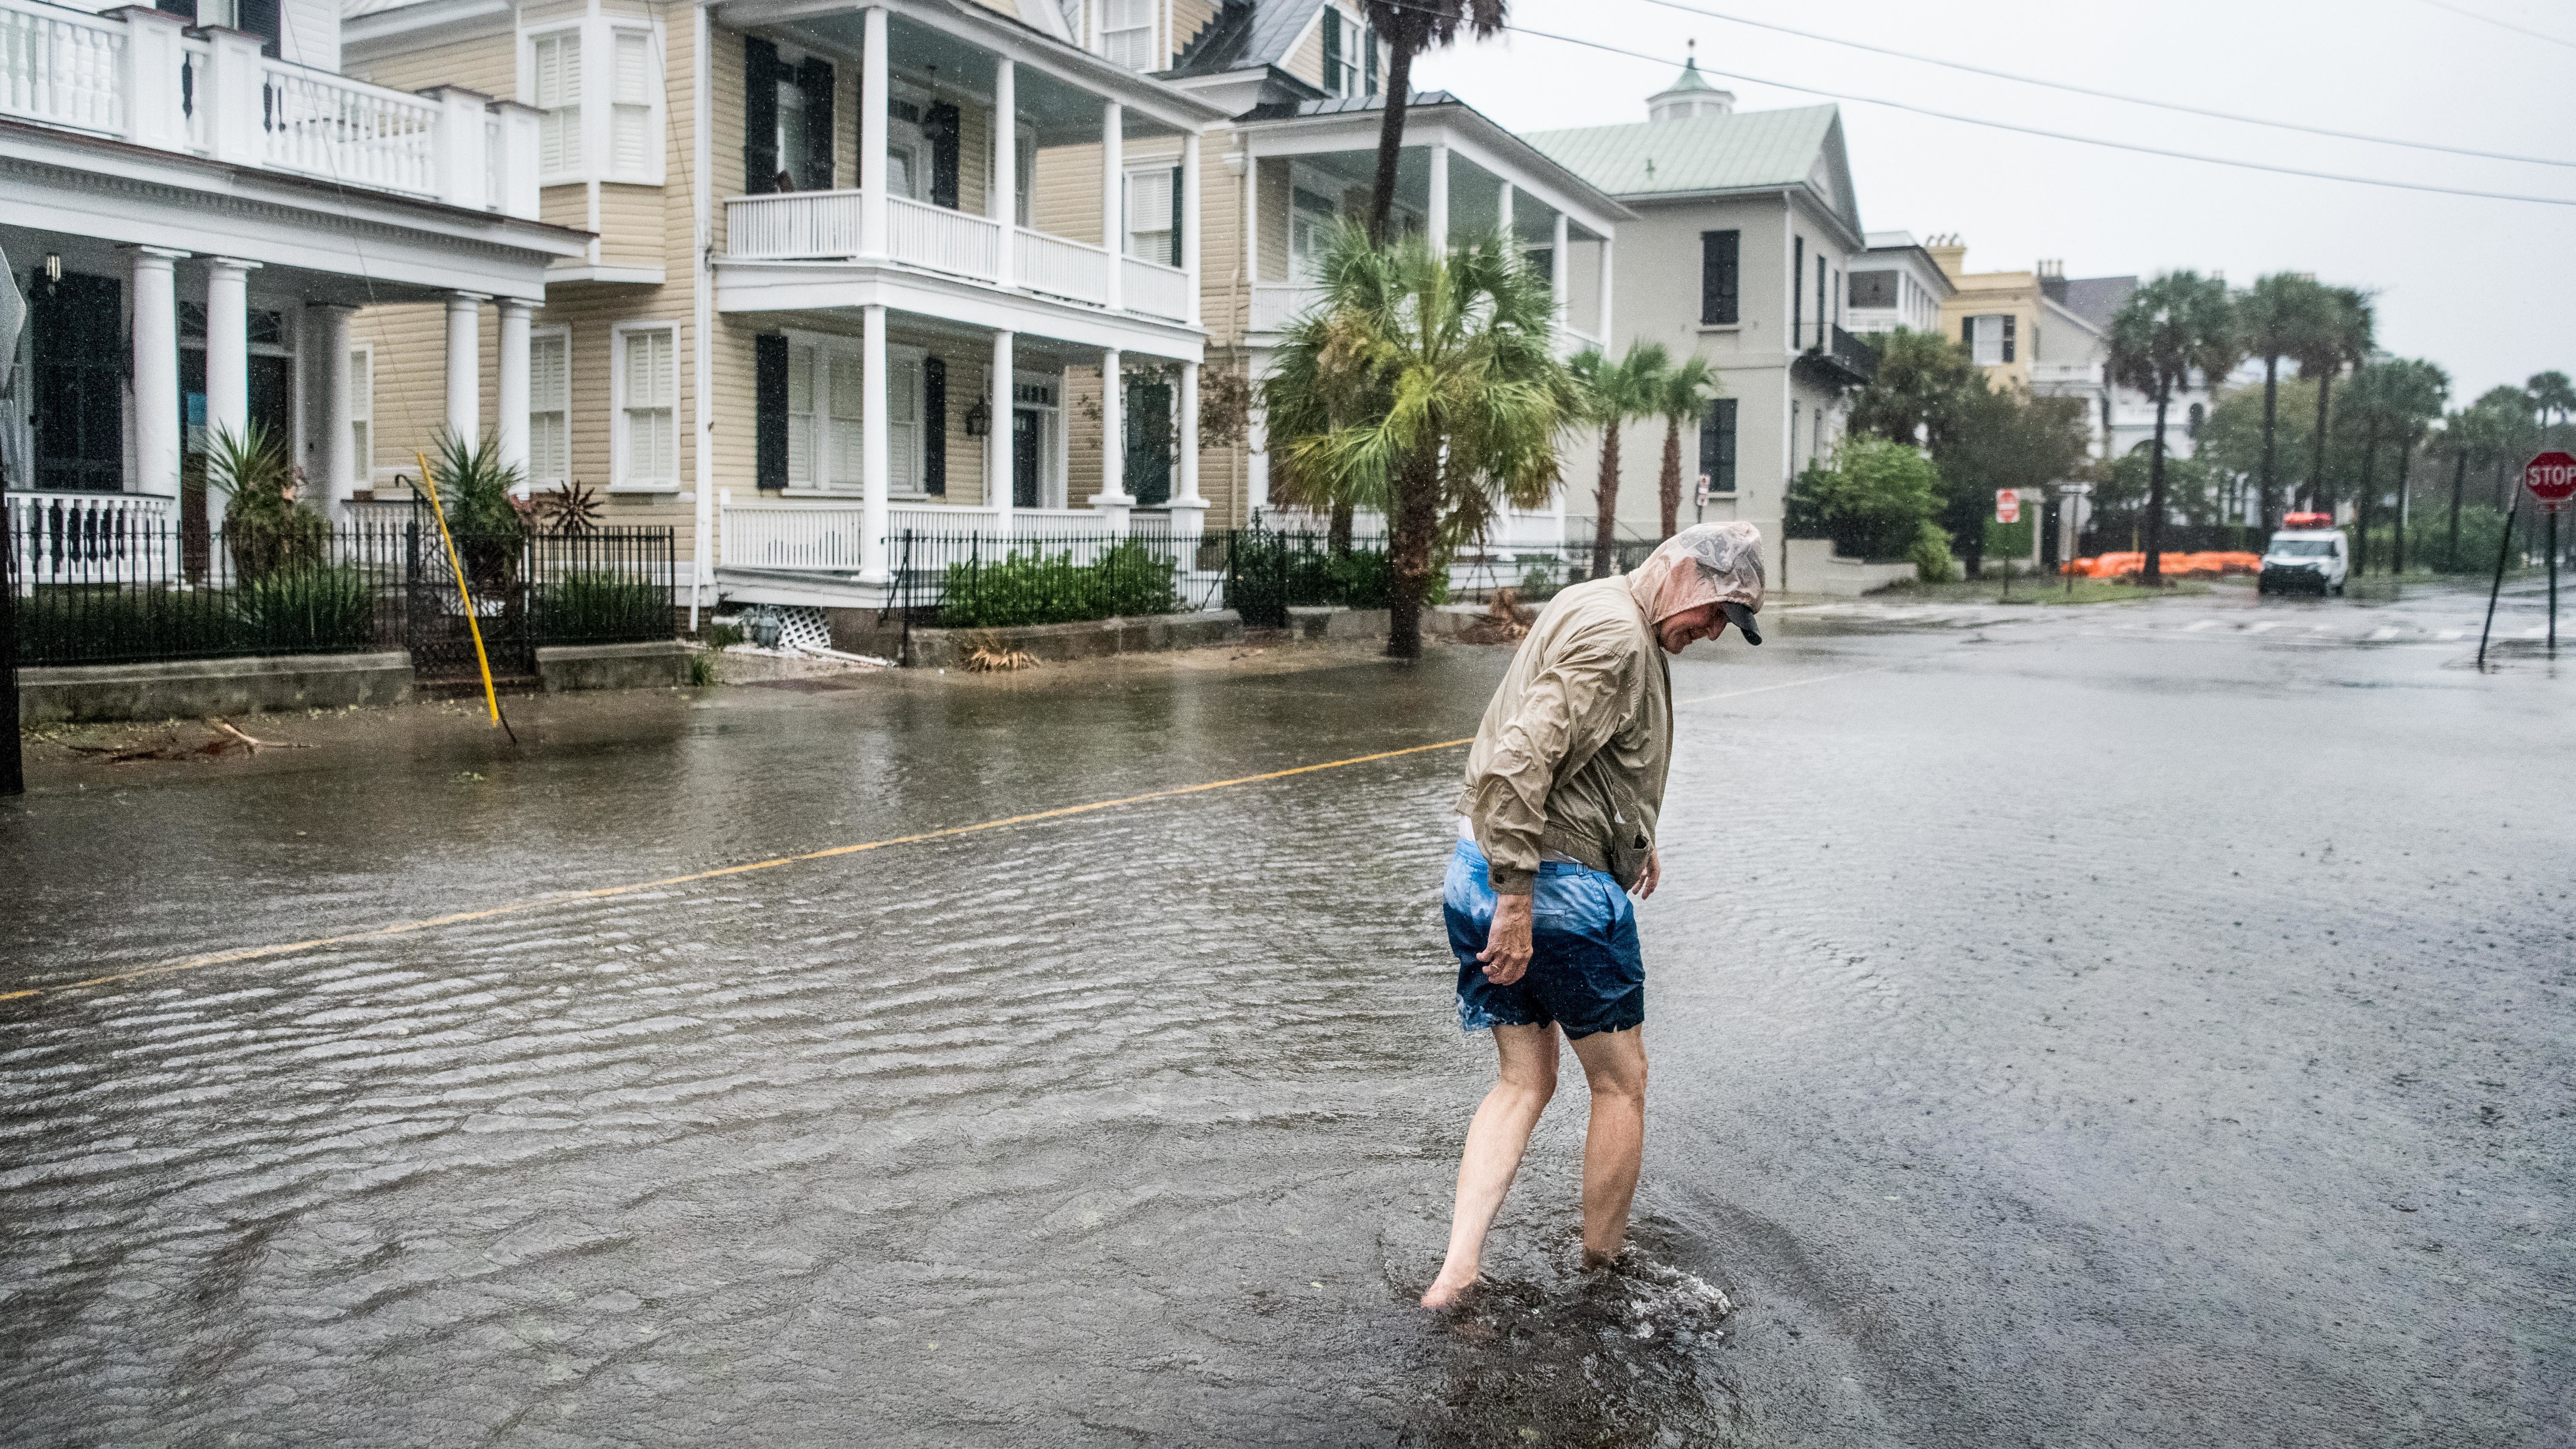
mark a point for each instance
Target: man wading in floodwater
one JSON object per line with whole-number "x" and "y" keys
{"x": 1556, "y": 824}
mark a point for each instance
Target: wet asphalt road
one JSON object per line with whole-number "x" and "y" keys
{"x": 2142, "y": 1025}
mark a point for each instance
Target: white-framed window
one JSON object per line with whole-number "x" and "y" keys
{"x": 907, "y": 147}
{"x": 1127, "y": 33}
{"x": 362, "y": 415}
{"x": 1990, "y": 338}
{"x": 827, "y": 411}
{"x": 1149, "y": 214}
{"x": 597, "y": 85}
{"x": 549, "y": 407}
{"x": 554, "y": 88}
{"x": 646, "y": 381}
{"x": 1311, "y": 219}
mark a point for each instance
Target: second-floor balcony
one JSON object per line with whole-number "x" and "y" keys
{"x": 984, "y": 151}
{"x": 1839, "y": 359}
{"x": 148, "y": 79}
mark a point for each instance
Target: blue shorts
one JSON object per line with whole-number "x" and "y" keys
{"x": 1585, "y": 973}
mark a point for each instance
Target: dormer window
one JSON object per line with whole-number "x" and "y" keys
{"x": 1127, "y": 33}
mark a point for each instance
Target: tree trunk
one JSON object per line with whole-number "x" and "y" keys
{"x": 1412, "y": 532}
{"x": 1337, "y": 529}
{"x": 2270, "y": 516}
{"x": 2153, "y": 574}
{"x": 1672, "y": 478}
{"x": 2361, "y": 500}
{"x": 2405, "y": 473}
{"x": 1390, "y": 141}
{"x": 2459, "y": 485}
{"x": 2317, "y": 454}
{"x": 1605, "y": 501}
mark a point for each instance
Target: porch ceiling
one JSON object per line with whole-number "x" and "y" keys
{"x": 1475, "y": 192}
{"x": 1063, "y": 114}
{"x": 918, "y": 329}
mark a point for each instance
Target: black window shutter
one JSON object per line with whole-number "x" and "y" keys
{"x": 1719, "y": 276}
{"x": 1177, "y": 180}
{"x": 2009, "y": 320}
{"x": 934, "y": 426}
{"x": 1797, "y": 294}
{"x": 942, "y": 125}
{"x": 1968, "y": 331}
{"x": 259, "y": 17}
{"x": 760, "y": 121}
{"x": 1332, "y": 50}
{"x": 1368, "y": 59}
{"x": 814, "y": 78}
{"x": 769, "y": 411}
{"x": 1717, "y": 445}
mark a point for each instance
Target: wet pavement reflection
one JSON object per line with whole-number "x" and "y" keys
{"x": 2085, "y": 1025}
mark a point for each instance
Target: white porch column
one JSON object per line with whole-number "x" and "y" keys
{"x": 1256, "y": 445}
{"x": 874, "y": 453}
{"x": 873, "y": 99}
{"x": 1113, "y": 199}
{"x": 156, "y": 372}
{"x": 1113, "y": 498}
{"x": 1006, "y": 191}
{"x": 227, "y": 346}
{"x": 1436, "y": 226}
{"x": 1189, "y": 510}
{"x": 1251, "y": 174}
{"x": 1190, "y": 222}
{"x": 1503, "y": 216}
{"x": 1604, "y": 320}
{"x": 511, "y": 427}
{"x": 339, "y": 447}
{"x": 1557, "y": 262}
{"x": 997, "y": 440}
{"x": 465, "y": 366}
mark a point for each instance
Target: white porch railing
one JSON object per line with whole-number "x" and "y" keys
{"x": 1277, "y": 305}
{"x": 56, "y": 533}
{"x": 1367, "y": 524}
{"x": 138, "y": 76}
{"x": 780, "y": 533}
{"x": 943, "y": 240}
{"x": 1062, "y": 268}
{"x": 62, "y": 67}
{"x": 1155, "y": 288}
{"x": 793, "y": 226}
{"x": 330, "y": 126}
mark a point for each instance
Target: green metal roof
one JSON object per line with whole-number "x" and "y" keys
{"x": 1747, "y": 151}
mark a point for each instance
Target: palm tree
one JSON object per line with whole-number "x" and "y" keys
{"x": 1612, "y": 395}
{"x": 2275, "y": 316}
{"x": 1407, "y": 28}
{"x": 2177, "y": 325}
{"x": 1426, "y": 386}
{"x": 1681, "y": 398}
{"x": 1916, "y": 387}
{"x": 2414, "y": 396}
{"x": 2341, "y": 338}
{"x": 2551, "y": 391}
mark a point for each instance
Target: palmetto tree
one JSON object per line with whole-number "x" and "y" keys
{"x": 2551, "y": 392}
{"x": 1681, "y": 396}
{"x": 2341, "y": 337}
{"x": 1408, "y": 28}
{"x": 2275, "y": 317}
{"x": 1424, "y": 385}
{"x": 1613, "y": 394}
{"x": 2177, "y": 325}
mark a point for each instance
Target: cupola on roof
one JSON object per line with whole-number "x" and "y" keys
{"x": 1690, "y": 95}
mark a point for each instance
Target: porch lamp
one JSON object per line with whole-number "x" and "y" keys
{"x": 979, "y": 418}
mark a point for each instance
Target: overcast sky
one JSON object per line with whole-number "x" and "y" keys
{"x": 2485, "y": 288}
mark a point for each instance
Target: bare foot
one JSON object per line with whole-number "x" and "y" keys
{"x": 1594, "y": 1260}
{"x": 1448, "y": 1288}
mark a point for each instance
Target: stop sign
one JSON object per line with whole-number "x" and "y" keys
{"x": 2551, "y": 477}
{"x": 2008, "y": 504}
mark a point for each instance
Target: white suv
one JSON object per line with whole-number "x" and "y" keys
{"x": 2304, "y": 559}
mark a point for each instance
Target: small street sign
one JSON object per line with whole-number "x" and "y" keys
{"x": 2007, "y": 505}
{"x": 2551, "y": 477}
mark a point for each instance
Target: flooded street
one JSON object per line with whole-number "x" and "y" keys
{"x": 2114, "y": 1025}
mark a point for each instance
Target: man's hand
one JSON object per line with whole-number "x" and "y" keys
{"x": 1507, "y": 941}
{"x": 1654, "y": 875}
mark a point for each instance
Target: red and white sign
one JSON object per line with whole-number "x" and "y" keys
{"x": 2551, "y": 477}
{"x": 2007, "y": 505}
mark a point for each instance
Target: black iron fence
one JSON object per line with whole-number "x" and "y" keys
{"x": 100, "y": 588}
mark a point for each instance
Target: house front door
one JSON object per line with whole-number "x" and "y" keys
{"x": 1026, "y": 430}
{"x": 79, "y": 412}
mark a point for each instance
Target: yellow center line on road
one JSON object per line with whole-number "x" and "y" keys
{"x": 405, "y": 928}
{"x": 1758, "y": 689}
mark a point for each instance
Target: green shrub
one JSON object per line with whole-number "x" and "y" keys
{"x": 1872, "y": 502}
{"x": 1276, "y": 572}
{"x": 1126, "y": 580}
{"x": 601, "y": 606}
{"x": 81, "y": 624}
{"x": 1931, "y": 555}
{"x": 264, "y": 531}
{"x": 318, "y": 608}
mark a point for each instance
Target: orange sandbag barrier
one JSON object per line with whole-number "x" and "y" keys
{"x": 2172, "y": 565}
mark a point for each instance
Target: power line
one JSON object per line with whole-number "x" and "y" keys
{"x": 2043, "y": 132}
{"x": 2116, "y": 95}
{"x": 2504, "y": 24}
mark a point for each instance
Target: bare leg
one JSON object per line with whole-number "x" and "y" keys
{"x": 1614, "y": 1142}
{"x": 1526, "y": 1078}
